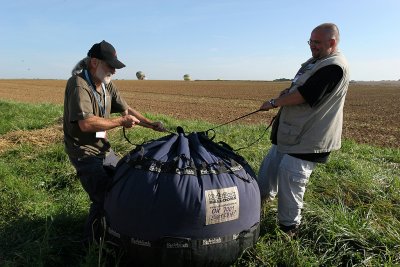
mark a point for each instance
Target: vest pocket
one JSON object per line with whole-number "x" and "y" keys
{"x": 288, "y": 134}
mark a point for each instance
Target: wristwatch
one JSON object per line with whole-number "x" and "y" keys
{"x": 272, "y": 102}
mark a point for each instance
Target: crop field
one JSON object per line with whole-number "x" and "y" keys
{"x": 352, "y": 204}
{"x": 371, "y": 110}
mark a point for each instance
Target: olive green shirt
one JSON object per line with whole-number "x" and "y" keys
{"x": 80, "y": 103}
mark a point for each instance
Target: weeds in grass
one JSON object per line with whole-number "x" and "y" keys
{"x": 351, "y": 216}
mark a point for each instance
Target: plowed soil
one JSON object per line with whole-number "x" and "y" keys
{"x": 371, "y": 115}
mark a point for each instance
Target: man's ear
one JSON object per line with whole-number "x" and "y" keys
{"x": 94, "y": 62}
{"x": 332, "y": 42}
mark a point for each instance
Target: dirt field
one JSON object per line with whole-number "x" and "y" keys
{"x": 371, "y": 110}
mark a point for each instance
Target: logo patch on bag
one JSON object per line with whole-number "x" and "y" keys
{"x": 222, "y": 205}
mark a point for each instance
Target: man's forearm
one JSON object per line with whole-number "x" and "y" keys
{"x": 96, "y": 124}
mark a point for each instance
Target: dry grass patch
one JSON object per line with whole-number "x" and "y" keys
{"x": 40, "y": 137}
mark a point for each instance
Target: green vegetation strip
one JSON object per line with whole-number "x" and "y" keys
{"x": 351, "y": 216}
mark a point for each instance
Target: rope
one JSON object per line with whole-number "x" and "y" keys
{"x": 241, "y": 117}
{"x": 251, "y": 113}
{"x": 151, "y": 126}
{"x": 213, "y": 130}
{"x": 126, "y": 138}
{"x": 261, "y": 136}
{"x": 145, "y": 124}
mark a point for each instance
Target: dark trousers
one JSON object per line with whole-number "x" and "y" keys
{"x": 94, "y": 178}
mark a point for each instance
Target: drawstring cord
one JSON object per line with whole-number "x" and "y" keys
{"x": 145, "y": 124}
{"x": 261, "y": 136}
{"x": 241, "y": 117}
{"x": 213, "y": 130}
{"x": 251, "y": 113}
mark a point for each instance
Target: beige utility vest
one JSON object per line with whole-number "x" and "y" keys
{"x": 305, "y": 129}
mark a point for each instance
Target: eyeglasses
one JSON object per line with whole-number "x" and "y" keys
{"x": 313, "y": 42}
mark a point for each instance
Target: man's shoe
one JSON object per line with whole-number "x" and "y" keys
{"x": 291, "y": 230}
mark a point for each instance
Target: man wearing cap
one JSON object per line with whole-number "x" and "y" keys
{"x": 90, "y": 98}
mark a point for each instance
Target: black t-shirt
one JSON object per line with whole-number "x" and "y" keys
{"x": 313, "y": 91}
{"x": 320, "y": 84}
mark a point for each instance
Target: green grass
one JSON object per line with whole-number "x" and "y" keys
{"x": 351, "y": 216}
{"x": 27, "y": 116}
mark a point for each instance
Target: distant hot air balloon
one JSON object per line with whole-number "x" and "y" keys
{"x": 186, "y": 77}
{"x": 140, "y": 75}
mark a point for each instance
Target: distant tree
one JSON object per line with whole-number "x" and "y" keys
{"x": 282, "y": 80}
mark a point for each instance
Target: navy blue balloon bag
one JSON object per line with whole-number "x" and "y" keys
{"x": 182, "y": 200}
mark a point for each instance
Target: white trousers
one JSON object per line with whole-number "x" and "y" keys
{"x": 286, "y": 177}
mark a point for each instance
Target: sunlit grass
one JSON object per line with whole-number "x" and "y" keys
{"x": 351, "y": 216}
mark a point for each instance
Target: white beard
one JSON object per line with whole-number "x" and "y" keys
{"x": 102, "y": 75}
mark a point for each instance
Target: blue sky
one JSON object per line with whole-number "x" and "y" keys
{"x": 208, "y": 39}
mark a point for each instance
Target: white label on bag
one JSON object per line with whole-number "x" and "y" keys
{"x": 222, "y": 205}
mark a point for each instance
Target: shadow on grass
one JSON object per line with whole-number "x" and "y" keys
{"x": 55, "y": 241}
